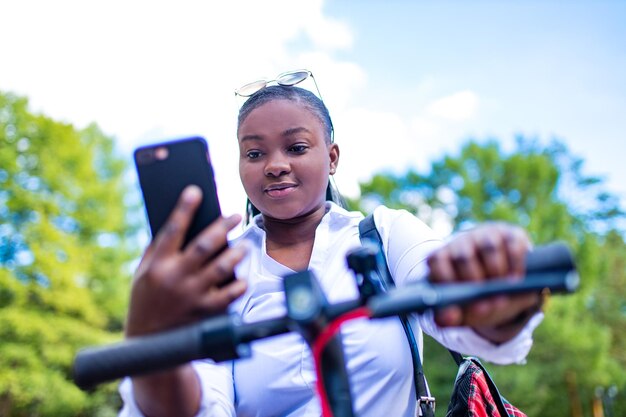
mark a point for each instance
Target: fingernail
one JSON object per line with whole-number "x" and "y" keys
{"x": 191, "y": 193}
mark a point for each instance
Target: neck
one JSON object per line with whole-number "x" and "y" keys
{"x": 297, "y": 230}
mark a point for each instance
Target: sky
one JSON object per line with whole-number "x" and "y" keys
{"x": 405, "y": 81}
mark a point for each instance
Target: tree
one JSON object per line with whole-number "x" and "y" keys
{"x": 64, "y": 251}
{"x": 580, "y": 344}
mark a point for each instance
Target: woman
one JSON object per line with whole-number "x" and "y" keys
{"x": 286, "y": 157}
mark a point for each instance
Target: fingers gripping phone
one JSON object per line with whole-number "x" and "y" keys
{"x": 165, "y": 169}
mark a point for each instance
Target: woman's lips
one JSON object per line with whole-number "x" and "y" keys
{"x": 280, "y": 190}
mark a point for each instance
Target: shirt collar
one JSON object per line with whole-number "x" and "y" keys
{"x": 335, "y": 214}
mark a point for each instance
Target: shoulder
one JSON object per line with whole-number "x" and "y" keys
{"x": 400, "y": 222}
{"x": 402, "y": 234}
{"x": 338, "y": 218}
{"x": 407, "y": 242}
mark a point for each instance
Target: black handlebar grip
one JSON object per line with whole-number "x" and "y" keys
{"x": 552, "y": 257}
{"x": 213, "y": 338}
{"x": 548, "y": 267}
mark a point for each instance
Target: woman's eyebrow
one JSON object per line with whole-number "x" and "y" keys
{"x": 287, "y": 132}
{"x": 251, "y": 137}
{"x": 294, "y": 130}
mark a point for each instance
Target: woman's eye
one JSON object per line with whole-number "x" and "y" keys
{"x": 253, "y": 154}
{"x": 298, "y": 148}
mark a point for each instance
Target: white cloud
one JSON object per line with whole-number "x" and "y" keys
{"x": 442, "y": 123}
{"x": 330, "y": 33}
{"x": 371, "y": 141}
{"x": 457, "y": 107}
{"x": 337, "y": 80}
{"x": 424, "y": 127}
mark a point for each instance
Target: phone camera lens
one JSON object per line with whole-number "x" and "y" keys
{"x": 161, "y": 153}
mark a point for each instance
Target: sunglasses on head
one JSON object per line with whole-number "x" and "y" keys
{"x": 288, "y": 79}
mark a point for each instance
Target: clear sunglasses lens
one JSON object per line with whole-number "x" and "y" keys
{"x": 292, "y": 77}
{"x": 249, "y": 89}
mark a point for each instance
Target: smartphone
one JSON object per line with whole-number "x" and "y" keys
{"x": 165, "y": 169}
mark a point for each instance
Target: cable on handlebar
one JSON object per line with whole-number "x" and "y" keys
{"x": 320, "y": 344}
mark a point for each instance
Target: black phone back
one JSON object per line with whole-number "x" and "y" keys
{"x": 165, "y": 169}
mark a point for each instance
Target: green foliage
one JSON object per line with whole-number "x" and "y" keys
{"x": 64, "y": 255}
{"x": 581, "y": 343}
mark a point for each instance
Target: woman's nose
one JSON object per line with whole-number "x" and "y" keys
{"x": 277, "y": 165}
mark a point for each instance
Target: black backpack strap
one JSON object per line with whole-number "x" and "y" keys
{"x": 458, "y": 358}
{"x": 369, "y": 233}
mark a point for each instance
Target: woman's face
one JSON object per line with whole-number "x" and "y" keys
{"x": 284, "y": 160}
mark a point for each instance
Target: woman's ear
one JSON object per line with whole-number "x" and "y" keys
{"x": 333, "y": 153}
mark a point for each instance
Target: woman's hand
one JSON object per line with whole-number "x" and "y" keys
{"x": 490, "y": 251}
{"x": 173, "y": 286}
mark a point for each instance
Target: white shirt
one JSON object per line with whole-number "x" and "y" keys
{"x": 279, "y": 378}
